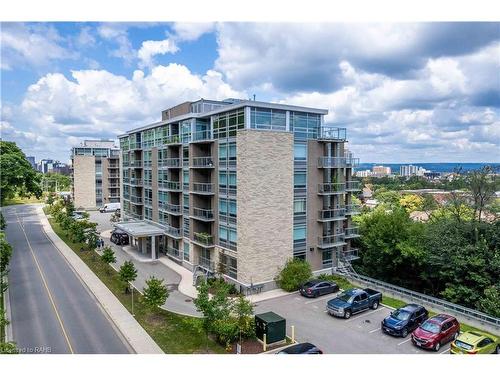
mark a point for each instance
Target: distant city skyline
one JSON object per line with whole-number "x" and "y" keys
{"x": 405, "y": 92}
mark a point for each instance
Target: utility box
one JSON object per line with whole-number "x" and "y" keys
{"x": 271, "y": 324}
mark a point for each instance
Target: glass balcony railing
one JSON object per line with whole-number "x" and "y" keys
{"x": 337, "y": 162}
{"x": 171, "y": 139}
{"x": 172, "y": 231}
{"x": 206, "y": 263}
{"x": 135, "y": 145}
{"x": 136, "y": 181}
{"x": 170, "y": 163}
{"x": 203, "y": 188}
{"x": 353, "y": 209}
{"x": 202, "y": 162}
{"x": 332, "y": 214}
{"x": 204, "y": 239}
{"x": 168, "y": 207}
{"x": 203, "y": 135}
{"x": 332, "y": 133}
{"x": 136, "y": 163}
{"x": 331, "y": 188}
{"x": 203, "y": 214}
{"x": 331, "y": 240}
{"x": 352, "y": 232}
{"x": 353, "y": 185}
{"x": 169, "y": 185}
{"x": 135, "y": 199}
{"x": 172, "y": 251}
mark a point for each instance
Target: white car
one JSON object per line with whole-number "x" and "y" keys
{"x": 110, "y": 207}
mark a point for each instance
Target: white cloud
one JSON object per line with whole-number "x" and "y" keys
{"x": 189, "y": 31}
{"x": 31, "y": 45}
{"x": 117, "y": 33}
{"x": 152, "y": 48}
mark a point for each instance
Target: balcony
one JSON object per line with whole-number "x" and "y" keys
{"x": 332, "y": 214}
{"x": 147, "y": 163}
{"x": 327, "y": 242}
{"x": 171, "y": 140}
{"x": 173, "y": 252}
{"x": 113, "y": 166}
{"x": 202, "y": 136}
{"x": 147, "y": 183}
{"x": 125, "y": 163}
{"x": 113, "y": 175}
{"x": 329, "y": 133}
{"x": 350, "y": 255}
{"x": 126, "y": 180}
{"x": 135, "y": 199}
{"x": 203, "y": 239}
{"x": 337, "y": 162}
{"x": 169, "y": 185}
{"x": 170, "y": 163}
{"x": 206, "y": 263}
{"x": 172, "y": 231}
{"x": 352, "y": 232}
{"x": 113, "y": 185}
{"x": 136, "y": 181}
{"x": 203, "y": 188}
{"x": 202, "y": 214}
{"x": 135, "y": 146}
{"x": 202, "y": 162}
{"x": 353, "y": 185}
{"x": 353, "y": 209}
{"x": 331, "y": 188}
{"x": 173, "y": 209}
{"x": 148, "y": 202}
{"x": 136, "y": 163}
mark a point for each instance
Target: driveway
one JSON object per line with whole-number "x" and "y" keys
{"x": 360, "y": 334}
{"x": 176, "y": 302}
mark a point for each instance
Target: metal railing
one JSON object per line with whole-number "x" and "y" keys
{"x": 170, "y": 163}
{"x": 203, "y": 214}
{"x": 135, "y": 199}
{"x": 412, "y": 296}
{"x": 353, "y": 209}
{"x": 172, "y": 251}
{"x": 203, "y": 188}
{"x": 352, "y": 232}
{"x": 169, "y": 185}
{"x": 202, "y": 162}
{"x": 203, "y": 135}
{"x": 353, "y": 185}
{"x": 136, "y": 181}
{"x": 331, "y": 240}
{"x": 170, "y": 139}
{"x": 331, "y": 188}
{"x": 173, "y": 208}
{"x": 332, "y": 214}
{"x": 136, "y": 163}
{"x": 204, "y": 239}
{"x": 172, "y": 231}
{"x": 337, "y": 162}
{"x": 206, "y": 263}
{"x": 330, "y": 132}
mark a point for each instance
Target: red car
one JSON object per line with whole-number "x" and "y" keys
{"x": 436, "y": 331}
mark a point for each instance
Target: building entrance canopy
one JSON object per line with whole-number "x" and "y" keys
{"x": 140, "y": 228}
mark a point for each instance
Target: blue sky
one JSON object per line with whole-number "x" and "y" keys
{"x": 413, "y": 92}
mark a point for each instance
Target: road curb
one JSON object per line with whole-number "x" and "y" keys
{"x": 131, "y": 330}
{"x": 8, "y": 312}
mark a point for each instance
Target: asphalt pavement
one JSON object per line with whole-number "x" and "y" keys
{"x": 52, "y": 310}
{"x": 361, "y": 334}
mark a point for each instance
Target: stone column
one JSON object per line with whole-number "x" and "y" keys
{"x": 153, "y": 247}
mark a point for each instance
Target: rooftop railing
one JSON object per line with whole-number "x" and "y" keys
{"x": 332, "y": 133}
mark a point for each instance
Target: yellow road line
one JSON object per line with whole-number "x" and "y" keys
{"x": 46, "y": 287}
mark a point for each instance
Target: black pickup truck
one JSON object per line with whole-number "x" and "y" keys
{"x": 353, "y": 301}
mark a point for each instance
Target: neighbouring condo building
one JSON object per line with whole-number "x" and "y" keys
{"x": 239, "y": 187}
{"x": 95, "y": 174}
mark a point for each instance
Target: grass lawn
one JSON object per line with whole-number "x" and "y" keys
{"x": 172, "y": 332}
{"x": 2, "y": 331}
{"x": 22, "y": 200}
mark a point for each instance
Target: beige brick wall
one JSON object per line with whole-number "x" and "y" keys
{"x": 84, "y": 181}
{"x": 264, "y": 203}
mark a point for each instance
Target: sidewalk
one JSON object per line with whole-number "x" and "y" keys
{"x": 131, "y": 330}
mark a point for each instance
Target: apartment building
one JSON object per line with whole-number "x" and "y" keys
{"x": 95, "y": 174}
{"x": 238, "y": 187}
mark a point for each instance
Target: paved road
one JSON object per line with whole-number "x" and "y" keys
{"x": 176, "y": 301}
{"x": 360, "y": 334}
{"x": 52, "y": 310}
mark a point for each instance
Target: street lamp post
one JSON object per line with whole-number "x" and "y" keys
{"x": 132, "y": 288}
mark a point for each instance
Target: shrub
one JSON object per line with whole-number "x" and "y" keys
{"x": 342, "y": 282}
{"x": 295, "y": 273}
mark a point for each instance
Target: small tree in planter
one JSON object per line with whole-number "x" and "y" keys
{"x": 108, "y": 257}
{"x": 155, "y": 293}
{"x": 295, "y": 273}
{"x": 127, "y": 274}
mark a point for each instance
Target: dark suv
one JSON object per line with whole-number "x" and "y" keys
{"x": 404, "y": 320}
{"x": 303, "y": 348}
{"x": 119, "y": 237}
{"x": 315, "y": 288}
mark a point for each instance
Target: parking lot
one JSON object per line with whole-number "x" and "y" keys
{"x": 359, "y": 334}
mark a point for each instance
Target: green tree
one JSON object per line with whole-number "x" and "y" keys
{"x": 243, "y": 311}
{"x": 411, "y": 202}
{"x": 3, "y": 224}
{"x": 108, "y": 257}
{"x": 17, "y": 177}
{"x": 388, "y": 198}
{"x": 127, "y": 273}
{"x": 295, "y": 273}
{"x": 482, "y": 183}
{"x": 155, "y": 294}
{"x": 8, "y": 348}
{"x": 5, "y": 255}
{"x": 490, "y": 303}
{"x": 4, "y": 322}
{"x": 52, "y": 180}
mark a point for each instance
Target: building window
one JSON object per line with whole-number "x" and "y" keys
{"x": 186, "y": 251}
{"x": 299, "y": 233}
{"x": 299, "y": 179}
{"x": 327, "y": 258}
{"x": 299, "y": 206}
{"x": 267, "y": 119}
{"x": 226, "y": 124}
{"x": 305, "y": 125}
{"x": 300, "y": 151}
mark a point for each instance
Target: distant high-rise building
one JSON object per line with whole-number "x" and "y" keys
{"x": 96, "y": 173}
{"x": 411, "y": 170}
{"x": 380, "y": 170}
{"x": 45, "y": 165}
{"x": 32, "y": 161}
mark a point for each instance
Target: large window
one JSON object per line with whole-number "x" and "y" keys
{"x": 299, "y": 206}
{"x": 186, "y": 251}
{"x": 326, "y": 258}
{"x": 299, "y": 233}
{"x": 228, "y": 237}
{"x": 299, "y": 179}
{"x": 226, "y": 124}
{"x": 305, "y": 125}
{"x": 300, "y": 151}
{"x": 267, "y": 119}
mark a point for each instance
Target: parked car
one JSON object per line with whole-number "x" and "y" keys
{"x": 473, "y": 342}
{"x": 404, "y": 320}
{"x": 110, "y": 207}
{"x": 78, "y": 215}
{"x": 119, "y": 237}
{"x": 315, "y": 288}
{"x": 436, "y": 331}
{"x": 303, "y": 348}
{"x": 353, "y": 301}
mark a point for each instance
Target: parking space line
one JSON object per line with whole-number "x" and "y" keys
{"x": 444, "y": 351}
{"x": 375, "y": 330}
{"x": 363, "y": 315}
{"x": 320, "y": 299}
{"x": 402, "y": 342}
